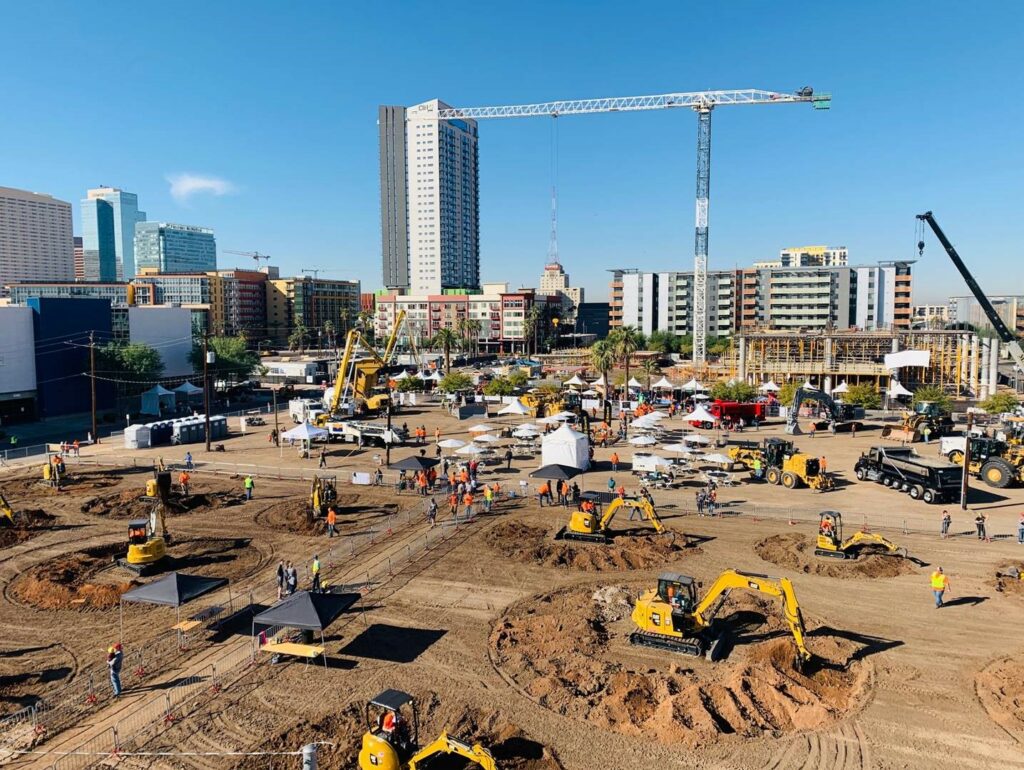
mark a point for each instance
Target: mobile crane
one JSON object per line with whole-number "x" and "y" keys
{"x": 365, "y": 374}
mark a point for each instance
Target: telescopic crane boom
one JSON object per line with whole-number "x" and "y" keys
{"x": 1007, "y": 337}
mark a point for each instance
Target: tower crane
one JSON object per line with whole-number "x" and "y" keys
{"x": 701, "y": 102}
{"x": 254, "y": 255}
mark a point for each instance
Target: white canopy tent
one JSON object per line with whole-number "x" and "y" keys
{"x": 562, "y": 416}
{"x": 662, "y": 384}
{"x": 479, "y": 428}
{"x": 305, "y": 432}
{"x": 807, "y": 385}
{"x": 575, "y": 381}
{"x": 599, "y": 382}
{"x": 526, "y": 431}
{"x": 590, "y": 392}
{"x": 451, "y": 443}
{"x": 402, "y": 375}
{"x": 897, "y": 390}
{"x": 769, "y": 387}
{"x": 696, "y": 438}
{"x": 517, "y": 407}
{"x": 634, "y": 384}
{"x": 566, "y": 447}
{"x": 842, "y": 387}
{"x": 699, "y": 414}
{"x": 643, "y": 441}
{"x": 692, "y": 386}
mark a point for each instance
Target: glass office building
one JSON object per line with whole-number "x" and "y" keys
{"x": 109, "y": 216}
{"x": 170, "y": 248}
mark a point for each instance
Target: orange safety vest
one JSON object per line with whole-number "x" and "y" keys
{"x": 938, "y": 581}
{"x": 331, "y": 516}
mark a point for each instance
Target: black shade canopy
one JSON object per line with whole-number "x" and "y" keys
{"x": 174, "y": 590}
{"x": 555, "y": 471}
{"x": 414, "y": 463}
{"x": 391, "y": 699}
{"x": 307, "y": 611}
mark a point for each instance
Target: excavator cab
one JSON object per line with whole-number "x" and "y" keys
{"x": 830, "y": 531}
{"x": 831, "y": 544}
{"x": 678, "y": 591}
{"x": 392, "y": 731}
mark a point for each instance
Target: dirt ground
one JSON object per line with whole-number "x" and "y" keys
{"x": 498, "y": 634}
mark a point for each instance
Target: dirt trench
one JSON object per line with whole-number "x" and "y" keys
{"x": 133, "y": 504}
{"x": 1009, "y": 586}
{"x": 796, "y": 551}
{"x": 536, "y": 545}
{"x": 354, "y": 512}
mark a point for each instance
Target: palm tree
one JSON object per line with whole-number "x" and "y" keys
{"x": 473, "y": 328}
{"x": 446, "y": 339}
{"x": 625, "y": 341}
{"x": 329, "y": 332}
{"x": 650, "y": 367}
{"x": 602, "y": 358}
{"x": 531, "y": 324}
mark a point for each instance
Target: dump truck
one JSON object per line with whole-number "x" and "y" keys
{"x": 931, "y": 479}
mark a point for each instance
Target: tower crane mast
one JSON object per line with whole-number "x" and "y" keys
{"x": 701, "y": 102}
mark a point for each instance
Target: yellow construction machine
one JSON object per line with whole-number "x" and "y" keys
{"x": 391, "y": 740}
{"x": 831, "y": 544}
{"x": 6, "y": 511}
{"x": 926, "y": 415}
{"x": 322, "y": 492}
{"x": 782, "y": 463}
{"x": 589, "y": 527}
{"x": 146, "y": 548}
{"x": 672, "y": 617}
{"x": 1013, "y": 573}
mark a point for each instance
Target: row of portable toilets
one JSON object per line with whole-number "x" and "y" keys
{"x": 186, "y": 430}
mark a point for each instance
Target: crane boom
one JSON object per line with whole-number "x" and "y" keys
{"x": 1008, "y": 337}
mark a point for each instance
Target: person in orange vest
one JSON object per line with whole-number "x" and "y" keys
{"x": 467, "y": 500}
{"x": 615, "y": 461}
{"x": 421, "y": 482}
{"x": 183, "y": 479}
{"x": 621, "y": 492}
{"x": 437, "y": 435}
{"x": 464, "y": 476}
{"x": 453, "y": 502}
{"x": 940, "y": 584}
{"x": 543, "y": 493}
{"x": 332, "y": 521}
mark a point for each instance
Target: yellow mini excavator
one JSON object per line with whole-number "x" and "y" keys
{"x": 589, "y": 527}
{"x": 6, "y": 511}
{"x": 672, "y": 617}
{"x": 830, "y": 543}
{"x": 391, "y": 740}
{"x": 146, "y": 548}
{"x": 322, "y": 492}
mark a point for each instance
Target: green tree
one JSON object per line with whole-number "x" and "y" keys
{"x": 863, "y": 394}
{"x": 329, "y": 332}
{"x": 934, "y": 394}
{"x": 519, "y": 379}
{"x": 718, "y": 345}
{"x": 233, "y": 358}
{"x": 365, "y": 323}
{"x": 446, "y": 339}
{"x": 649, "y": 366}
{"x": 602, "y": 358}
{"x": 663, "y": 342}
{"x": 135, "y": 365}
{"x": 787, "y": 392}
{"x": 735, "y": 391}
{"x": 531, "y": 326}
{"x": 410, "y": 385}
{"x": 299, "y": 337}
{"x": 998, "y": 403}
{"x": 500, "y": 386}
{"x": 454, "y": 381}
{"x": 626, "y": 340}
{"x": 685, "y": 345}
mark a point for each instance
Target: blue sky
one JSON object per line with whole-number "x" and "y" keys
{"x": 277, "y": 102}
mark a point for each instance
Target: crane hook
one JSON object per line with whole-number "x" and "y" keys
{"x": 920, "y": 248}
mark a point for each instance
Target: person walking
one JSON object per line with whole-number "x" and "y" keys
{"x": 316, "y": 575}
{"x": 115, "y": 659}
{"x": 188, "y": 460}
{"x": 940, "y": 584}
{"x": 437, "y": 435}
{"x": 280, "y": 579}
{"x": 332, "y": 521}
{"x": 249, "y": 485}
{"x": 467, "y": 500}
{"x": 488, "y": 498}
{"x": 947, "y": 519}
{"x": 323, "y": 457}
{"x": 611, "y": 484}
{"x": 508, "y": 459}
{"x": 453, "y": 502}
{"x": 432, "y": 512}
{"x": 979, "y": 523}
{"x": 615, "y": 462}
{"x": 853, "y": 430}
{"x": 291, "y": 577}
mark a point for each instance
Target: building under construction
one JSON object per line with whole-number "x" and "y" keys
{"x": 960, "y": 362}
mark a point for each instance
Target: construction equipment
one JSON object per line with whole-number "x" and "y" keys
{"x": 6, "y": 511}
{"x": 391, "y": 740}
{"x": 146, "y": 548}
{"x": 588, "y": 527}
{"x": 1007, "y": 337}
{"x": 1013, "y": 573}
{"x": 995, "y": 462}
{"x": 830, "y": 543}
{"x": 547, "y": 403}
{"x": 923, "y": 478}
{"x": 254, "y": 255}
{"x": 926, "y": 415}
{"x": 322, "y": 492}
{"x": 782, "y": 464}
{"x": 672, "y": 617}
{"x": 842, "y": 417}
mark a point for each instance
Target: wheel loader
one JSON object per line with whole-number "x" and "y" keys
{"x": 926, "y": 414}
{"x": 995, "y": 462}
{"x": 391, "y": 740}
{"x": 830, "y": 542}
{"x": 782, "y": 464}
{"x": 673, "y": 617}
{"x": 589, "y": 527}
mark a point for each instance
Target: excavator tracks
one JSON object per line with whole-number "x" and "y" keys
{"x": 565, "y": 534}
{"x": 694, "y": 646}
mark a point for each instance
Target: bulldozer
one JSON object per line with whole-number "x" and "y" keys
{"x": 590, "y": 528}
{"x": 997, "y": 463}
{"x": 391, "y": 740}
{"x": 672, "y": 616}
{"x": 146, "y": 548}
{"x": 322, "y": 492}
{"x": 830, "y": 542}
{"x": 926, "y": 414}
{"x": 782, "y": 464}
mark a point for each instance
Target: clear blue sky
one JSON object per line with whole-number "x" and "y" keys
{"x": 278, "y": 100}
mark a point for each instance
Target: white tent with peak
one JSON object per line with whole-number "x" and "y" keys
{"x": 575, "y": 380}
{"x": 842, "y": 387}
{"x": 599, "y": 382}
{"x": 769, "y": 387}
{"x": 662, "y": 384}
{"x": 516, "y": 407}
{"x": 565, "y": 447}
{"x": 634, "y": 384}
{"x": 699, "y": 414}
{"x": 693, "y": 386}
{"x": 895, "y": 389}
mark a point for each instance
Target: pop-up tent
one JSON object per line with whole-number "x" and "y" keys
{"x": 305, "y": 432}
{"x": 896, "y": 390}
{"x": 566, "y": 447}
{"x": 769, "y": 387}
{"x": 842, "y": 387}
{"x": 693, "y": 386}
{"x": 574, "y": 381}
{"x": 188, "y": 393}
{"x": 154, "y": 399}
{"x": 516, "y": 407}
{"x": 634, "y": 384}
{"x": 171, "y": 590}
{"x": 307, "y": 612}
{"x": 662, "y": 384}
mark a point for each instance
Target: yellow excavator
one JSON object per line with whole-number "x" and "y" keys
{"x": 391, "y": 740}
{"x": 672, "y": 617}
{"x": 830, "y": 543}
{"x": 6, "y": 511}
{"x": 146, "y": 548}
{"x": 322, "y": 492}
{"x": 589, "y": 527}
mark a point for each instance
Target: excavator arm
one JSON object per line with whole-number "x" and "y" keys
{"x": 781, "y": 588}
{"x": 6, "y": 511}
{"x": 645, "y": 507}
{"x": 859, "y": 539}
{"x": 819, "y": 396}
{"x": 447, "y": 744}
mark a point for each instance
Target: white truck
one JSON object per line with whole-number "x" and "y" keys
{"x": 366, "y": 433}
{"x": 304, "y": 410}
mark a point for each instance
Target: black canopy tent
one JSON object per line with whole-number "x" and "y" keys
{"x": 306, "y": 611}
{"x": 414, "y": 463}
{"x": 556, "y": 472}
{"x": 172, "y": 590}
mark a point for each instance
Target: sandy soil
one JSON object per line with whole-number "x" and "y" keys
{"x": 1000, "y": 688}
{"x": 29, "y": 523}
{"x": 131, "y": 504}
{"x": 1009, "y": 586}
{"x": 795, "y": 551}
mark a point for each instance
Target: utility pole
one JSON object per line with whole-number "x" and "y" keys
{"x": 387, "y": 442}
{"x": 206, "y": 386}
{"x": 92, "y": 384}
{"x": 964, "y": 485}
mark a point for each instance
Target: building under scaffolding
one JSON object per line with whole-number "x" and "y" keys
{"x": 958, "y": 361}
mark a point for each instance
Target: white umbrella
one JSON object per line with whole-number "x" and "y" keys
{"x": 693, "y": 385}
{"x": 402, "y": 375}
{"x": 841, "y": 388}
{"x": 526, "y": 431}
{"x": 681, "y": 448}
{"x": 657, "y": 460}
{"x": 699, "y": 414}
{"x": 643, "y": 441}
{"x": 701, "y": 397}
{"x": 451, "y": 443}
{"x": 696, "y": 438}
{"x": 662, "y": 384}
{"x": 634, "y": 384}
{"x": 655, "y": 415}
{"x": 479, "y": 428}
{"x": 487, "y": 438}
{"x": 769, "y": 386}
{"x": 716, "y": 459}
{"x": 563, "y": 416}
{"x": 516, "y": 407}
{"x": 470, "y": 450}
{"x": 576, "y": 380}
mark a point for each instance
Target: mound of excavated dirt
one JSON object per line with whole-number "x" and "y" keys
{"x": 1009, "y": 585}
{"x": 796, "y": 551}
{"x": 1000, "y": 688}
{"x": 292, "y": 515}
{"x": 74, "y": 481}
{"x": 511, "y": 747}
{"x": 27, "y": 524}
{"x": 536, "y": 545}
{"x": 569, "y": 651}
{"x": 132, "y": 504}
{"x": 69, "y": 581}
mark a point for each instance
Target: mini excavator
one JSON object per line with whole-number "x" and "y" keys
{"x": 672, "y": 617}
{"x": 587, "y": 526}
{"x": 391, "y": 740}
{"x": 6, "y": 511}
{"x": 1013, "y": 573}
{"x": 146, "y": 549}
{"x": 322, "y": 492}
{"x": 830, "y": 543}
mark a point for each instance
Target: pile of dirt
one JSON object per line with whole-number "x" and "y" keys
{"x": 70, "y": 581}
{"x": 293, "y": 515}
{"x": 536, "y": 545}
{"x": 74, "y": 481}
{"x": 1006, "y": 584}
{"x": 1000, "y": 688}
{"x": 133, "y": 504}
{"x": 343, "y": 730}
{"x": 796, "y": 551}
{"x": 27, "y": 524}
{"x": 586, "y": 669}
